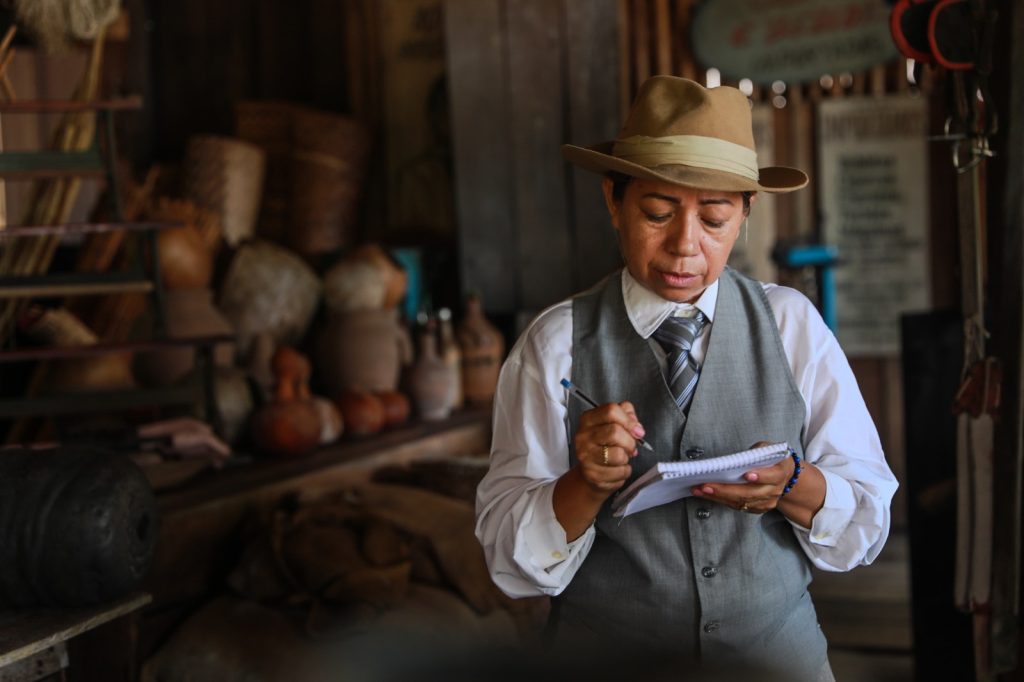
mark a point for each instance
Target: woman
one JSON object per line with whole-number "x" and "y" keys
{"x": 700, "y": 362}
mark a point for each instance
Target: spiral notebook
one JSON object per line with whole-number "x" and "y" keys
{"x": 670, "y": 481}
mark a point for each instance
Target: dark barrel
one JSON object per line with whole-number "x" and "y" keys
{"x": 78, "y": 526}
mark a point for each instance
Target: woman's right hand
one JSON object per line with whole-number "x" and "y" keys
{"x": 605, "y": 442}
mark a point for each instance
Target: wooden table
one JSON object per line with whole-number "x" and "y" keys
{"x": 33, "y": 642}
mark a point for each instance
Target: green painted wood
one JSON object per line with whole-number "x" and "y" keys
{"x": 51, "y": 163}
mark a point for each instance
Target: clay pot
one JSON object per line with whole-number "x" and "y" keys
{"x": 396, "y": 407}
{"x": 290, "y": 425}
{"x": 234, "y": 397}
{"x": 483, "y": 349}
{"x": 331, "y": 424}
{"x": 268, "y": 290}
{"x": 365, "y": 349}
{"x": 187, "y": 313}
{"x": 362, "y": 412}
{"x": 186, "y": 259}
{"x": 451, "y": 355}
{"x": 431, "y": 382}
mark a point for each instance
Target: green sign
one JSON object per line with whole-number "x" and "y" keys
{"x": 791, "y": 40}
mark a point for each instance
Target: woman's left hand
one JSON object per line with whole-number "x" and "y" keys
{"x": 760, "y": 494}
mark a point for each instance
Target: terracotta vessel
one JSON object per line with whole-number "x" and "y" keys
{"x": 364, "y": 349}
{"x": 188, "y": 313}
{"x": 396, "y": 407}
{"x": 361, "y": 411}
{"x": 431, "y": 382}
{"x": 290, "y": 425}
{"x": 483, "y": 349}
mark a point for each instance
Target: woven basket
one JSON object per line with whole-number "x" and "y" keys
{"x": 226, "y": 175}
{"x": 268, "y": 125}
{"x": 328, "y": 166}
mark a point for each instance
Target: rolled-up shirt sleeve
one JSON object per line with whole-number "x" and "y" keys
{"x": 524, "y": 544}
{"x": 840, "y": 439}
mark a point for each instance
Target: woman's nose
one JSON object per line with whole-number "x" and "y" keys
{"x": 682, "y": 239}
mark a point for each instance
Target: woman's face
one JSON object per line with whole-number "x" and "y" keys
{"x": 675, "y": 240}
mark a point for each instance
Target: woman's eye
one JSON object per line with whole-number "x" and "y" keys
{"x": 658, "y": 217}
{"x": 713, "y": 223}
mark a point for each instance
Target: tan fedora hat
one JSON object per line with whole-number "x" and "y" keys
{"x": 679, "y": 131}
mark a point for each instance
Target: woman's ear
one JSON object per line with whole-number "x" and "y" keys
{"x": 609, "y": 200}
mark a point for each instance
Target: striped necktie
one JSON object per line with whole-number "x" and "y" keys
{"x": 676, "y": 335}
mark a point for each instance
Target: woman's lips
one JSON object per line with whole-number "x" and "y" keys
{"x": 679, "y": 280}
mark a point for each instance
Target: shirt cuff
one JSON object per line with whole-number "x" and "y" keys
{"x": 835, "y": 514}
{"x": 544, "y": 537}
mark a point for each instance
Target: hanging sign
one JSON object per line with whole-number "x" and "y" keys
{"x": 791, "y": 40}
{"x": 873, "y": 200}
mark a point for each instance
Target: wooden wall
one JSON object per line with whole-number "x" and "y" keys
{"x": 526, "y": 76}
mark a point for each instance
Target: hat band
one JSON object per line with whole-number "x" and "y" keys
{"x": 688, "y": 150}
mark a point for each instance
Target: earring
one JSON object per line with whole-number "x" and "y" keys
{"x": 746, "y": 230}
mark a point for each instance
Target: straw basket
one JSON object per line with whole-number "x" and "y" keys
{"x": 268, "y": 125}
{"x": 327, "y": 169}
{"x": 226, "y": 175}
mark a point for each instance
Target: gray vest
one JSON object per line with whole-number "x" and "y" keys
{"x": 692, "y": 577}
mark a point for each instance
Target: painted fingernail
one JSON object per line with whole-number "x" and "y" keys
{"x": 638, "y": 431}
{"x": 635, "y": 452}
{"x": 751, "y": 477}
{"x": 708, "y": 490}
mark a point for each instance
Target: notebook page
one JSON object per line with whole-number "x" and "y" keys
{"x": 670, "y": 481}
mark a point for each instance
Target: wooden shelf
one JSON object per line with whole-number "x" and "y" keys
{"x": 42, "y": 106}
{"x": 13, "y": 231}
{"x": 26, "y": 632}
{"x": 99, "y": 401}
{"x": 148, "y": 346}
{"x": 73, "y": 284}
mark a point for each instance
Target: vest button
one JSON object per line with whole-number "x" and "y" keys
{"x": 709, "y": 571}
{"x": 711, "y": 626}
{"x": 694, "y": 453}
{"x": 703, "y": 513}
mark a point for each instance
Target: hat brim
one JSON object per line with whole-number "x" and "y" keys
{"x": 777, "y": 179}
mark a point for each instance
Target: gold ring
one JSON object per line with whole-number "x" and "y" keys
{"x": 604, "y": 454}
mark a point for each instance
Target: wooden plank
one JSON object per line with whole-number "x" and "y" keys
{"x": 485, "y": 203}
{"x": 687, "y": 64}
{"x": 25, "y": 632}
{"x": 895, "y": 435}
{"x": 49, "y": 661}
{"x": 663, "y": 37}
{"x": 641, "y": 31}
{"x": 593, "y": 117}
{"x": 536, "y": 114}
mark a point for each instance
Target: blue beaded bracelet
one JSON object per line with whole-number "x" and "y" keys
{"x": 796, "y": 472}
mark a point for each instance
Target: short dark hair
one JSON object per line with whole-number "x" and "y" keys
{"x": 620, "y": 181}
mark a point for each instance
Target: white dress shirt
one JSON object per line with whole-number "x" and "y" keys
{"x": 526, "y": 547}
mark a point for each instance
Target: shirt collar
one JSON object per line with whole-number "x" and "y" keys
{"x": 647, "y": 310}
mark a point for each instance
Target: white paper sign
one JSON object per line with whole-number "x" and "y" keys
{"x": 873, "y": 200}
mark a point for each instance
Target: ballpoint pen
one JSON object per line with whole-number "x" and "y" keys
{"x": 575, "y": 391}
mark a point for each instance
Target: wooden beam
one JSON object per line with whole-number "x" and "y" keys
{"x": 536, "y": 113}
{"x": 593, "y": 117}
{"x": 485, "y": 202}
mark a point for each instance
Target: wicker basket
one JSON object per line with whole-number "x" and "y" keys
{"x": 226, "y": 175}
{"x": 328, "y": 165}
{"x": 268, "y": 125}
